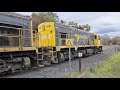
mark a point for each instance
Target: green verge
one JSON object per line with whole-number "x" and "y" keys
{"x": 110, "y": 68}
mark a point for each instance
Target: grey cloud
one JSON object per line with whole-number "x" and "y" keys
{"x": 101, "y": 22}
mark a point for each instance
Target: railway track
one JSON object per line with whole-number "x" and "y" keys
{"x": 62, "y": 69}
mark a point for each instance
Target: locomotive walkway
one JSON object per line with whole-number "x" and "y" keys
{"x": 62, "y": 69}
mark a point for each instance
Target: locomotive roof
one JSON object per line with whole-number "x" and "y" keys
{"x": 13, "y": 14}
{"x": 72, "y": 28}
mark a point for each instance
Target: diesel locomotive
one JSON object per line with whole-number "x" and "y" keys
{"x": 21, "y": 47}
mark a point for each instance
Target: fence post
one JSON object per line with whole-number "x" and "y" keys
{"x": 80, "y": 62}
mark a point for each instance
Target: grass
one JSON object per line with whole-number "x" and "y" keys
{"x": 110, "y": 68}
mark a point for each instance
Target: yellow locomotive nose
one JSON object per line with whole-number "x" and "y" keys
{"x": 46, "y": 34}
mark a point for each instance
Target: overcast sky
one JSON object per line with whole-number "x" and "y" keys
{"x": 101, "y": 22}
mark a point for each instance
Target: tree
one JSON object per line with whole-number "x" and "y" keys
{"x": 116, "y": 40}
{"x": 73, "y": 24}
{"x": 61, "y": 21}
{"x": 80, "y": 27}
{"x": 54, "y": 15}
{"x": 87, "y": 27}
{"x": 105, "y": 40}
{"x": 41, "y": 17}
{"x": 84, "y": 27}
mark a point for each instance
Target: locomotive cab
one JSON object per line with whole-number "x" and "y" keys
{"x": 97, "y": 40}
{"x": 46, "y": 34}
{"x": 97, "y": 43}
{"x": 46, "y": 43}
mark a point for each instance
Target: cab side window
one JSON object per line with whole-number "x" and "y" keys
{"x": 95, "y": 37}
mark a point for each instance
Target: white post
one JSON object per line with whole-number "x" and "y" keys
{"x": 70, "y": 59}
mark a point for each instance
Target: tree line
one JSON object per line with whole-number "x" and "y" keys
{"x": 40, "y": 17}
{"x": 106, "y": 40}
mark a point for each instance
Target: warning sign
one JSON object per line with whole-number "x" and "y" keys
{"x": 69, "y": 42}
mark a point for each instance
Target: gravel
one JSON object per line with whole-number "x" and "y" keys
{"x": 62, "y": 69}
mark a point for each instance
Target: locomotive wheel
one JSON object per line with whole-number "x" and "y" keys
{"x": 55, "y": 60}
{"x": 60, "y": 57}
{"x": 94, "y": 51}
{"x": 101, "y": 49}
{"x": 67, "y": 55}
{"x": 85, "y": 53}
{"x": 97, "y": 50}
{"x": 72, "y": 55}
{"x": 76, "y": 54}
{"x": 9, "y": 72}
{"x": 46, "y": 60}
